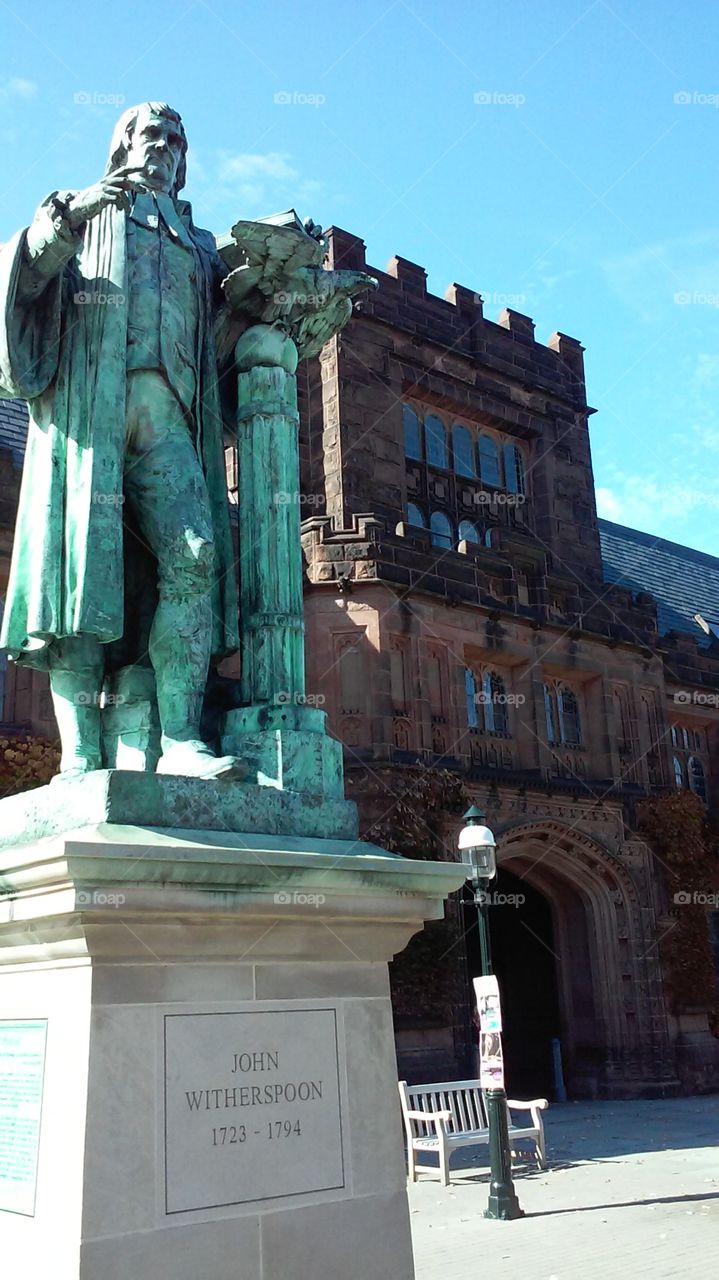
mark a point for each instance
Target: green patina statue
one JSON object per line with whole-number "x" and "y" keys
{"x": 120, "y": 323}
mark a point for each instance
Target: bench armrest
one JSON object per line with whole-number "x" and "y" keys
{"x": 428, "y": 1116}
{"x": 537, "y": 1104}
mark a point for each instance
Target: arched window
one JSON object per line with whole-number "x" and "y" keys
{"x": 468, "y": 532}
{"x": 488, "y": 536}
{"x": 463, "y": 451}
{"x": 470, "y": 693}
{"x": 514, "y": 476}
{"x": 685, "y": 738}
{"x": 494, "y": 702}
{"x": 415, "y": 516}
{"x": 569, "y": 718}
{"x": 550, "y": 711}
{"x": 353, "y": 679}
{"x": 435, "y": 442}
{"x": 675, "y": 736}
{"x": 697, "y": 779}
{"x": 441, "y": 530}
{"x": 561, "y": 709}
{"x": 412, "y": 433}
{"x": 623, "y": 723}
{"x": 489, "y": 467}
{"x": 678, "y": 773}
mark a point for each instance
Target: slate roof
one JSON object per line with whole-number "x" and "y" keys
{"x": 13, "y": 428}
{"x": 683, "y": 581}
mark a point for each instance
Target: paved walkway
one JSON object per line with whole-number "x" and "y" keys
{"x": 632, "y": 1191}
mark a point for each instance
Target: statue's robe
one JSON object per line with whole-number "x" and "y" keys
{"x": 67, "y": 358}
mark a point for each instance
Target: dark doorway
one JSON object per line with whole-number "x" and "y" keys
{"x": 524, "y": 962}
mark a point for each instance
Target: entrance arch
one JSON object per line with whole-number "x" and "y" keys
{"x": 605, "y": 963}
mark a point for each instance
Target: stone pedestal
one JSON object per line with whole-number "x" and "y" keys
{"x": 201, "y": 1023}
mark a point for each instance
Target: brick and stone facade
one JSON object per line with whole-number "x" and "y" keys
{"x": 461, "y": 621}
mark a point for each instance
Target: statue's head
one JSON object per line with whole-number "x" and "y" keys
{"x": 151, "y": 137}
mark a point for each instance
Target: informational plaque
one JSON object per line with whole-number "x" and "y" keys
{"x": 252, "y": 1107}
{"x": 22, "y": 1068}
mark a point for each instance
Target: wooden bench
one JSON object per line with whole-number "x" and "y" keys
{"x": 442, "y": 1117}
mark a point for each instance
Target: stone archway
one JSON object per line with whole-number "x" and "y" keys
{"x": 613, "y": 1022}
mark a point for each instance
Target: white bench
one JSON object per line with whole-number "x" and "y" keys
{"x": 442, "y": 1117}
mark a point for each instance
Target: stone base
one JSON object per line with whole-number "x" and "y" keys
{"x": 287, "y": 747}
{"x": 220, "y": 1085}
{"x": 163, "y": 801}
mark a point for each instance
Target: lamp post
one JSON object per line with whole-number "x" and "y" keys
{"x": 477, "y": 845}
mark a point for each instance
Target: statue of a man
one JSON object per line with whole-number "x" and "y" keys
{"x": 123, "y": 552}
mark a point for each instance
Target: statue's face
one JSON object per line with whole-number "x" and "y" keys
{"x": 156, "y": 148}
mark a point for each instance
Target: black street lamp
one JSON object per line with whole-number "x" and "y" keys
{"x": 477, "y": 845}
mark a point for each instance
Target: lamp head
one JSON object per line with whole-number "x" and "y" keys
{"x": 476, "y": 843}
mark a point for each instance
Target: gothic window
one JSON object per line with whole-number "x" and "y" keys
{"x": 398, "y": 677}
{"x": 678, "y": 773}
{"x": 412, "y": 433}
{"x": 488, "y": 536}
{"x": 514, "y": 473}
{"x": 569, "y": 718}
{"x": 435, "y": 441}
{"x": 523, "y": 586}
{"x": 470, "y": 690}
{"x": 489, "y": 464}
{"x": 675, "y": 736}
{"x": 415, "y": 516}
{"x": 353, "y": 681}
{"x": 468, "y": 532}
{"x": 486, "y": 702}
{"x": 550, "y": 711}
{"x": 441, "y": 529}
{"x": 463, "y": 451}
{"x": 697, "y": 778}
{"x": 561, "y": 709}
{"x": 435, "y": 680}
{"x": 650, "y": 715}
{"x": 623, "y": 725}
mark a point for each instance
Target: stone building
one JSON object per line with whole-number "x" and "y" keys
{"x": 470, "y": 621}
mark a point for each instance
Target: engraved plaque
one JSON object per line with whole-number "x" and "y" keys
{"x": 252, "y": 1107}
{"x": 22, "y": 1068}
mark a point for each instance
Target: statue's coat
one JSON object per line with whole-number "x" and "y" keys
{"x": 68, "y": 360}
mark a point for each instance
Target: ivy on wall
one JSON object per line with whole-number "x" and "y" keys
{"x": 26, "y": 763}
{"x": 417, "y": 812}
{"x": 686, "y": 845}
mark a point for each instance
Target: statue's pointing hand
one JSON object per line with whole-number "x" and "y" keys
{"x": 112, "y": 189}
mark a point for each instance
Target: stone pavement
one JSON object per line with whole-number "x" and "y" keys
{"x": 632, "y": 1191}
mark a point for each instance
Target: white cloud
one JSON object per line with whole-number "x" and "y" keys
{"x": 246, "y": 167}
{"x": 17, "y": 88}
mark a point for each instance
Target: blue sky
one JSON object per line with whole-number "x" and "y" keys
{"x": 560, "y": 157}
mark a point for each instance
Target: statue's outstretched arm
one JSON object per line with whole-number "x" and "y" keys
{"x": 49, "y": 245}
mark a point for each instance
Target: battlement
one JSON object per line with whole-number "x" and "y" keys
{"x": 458, "y": 318}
